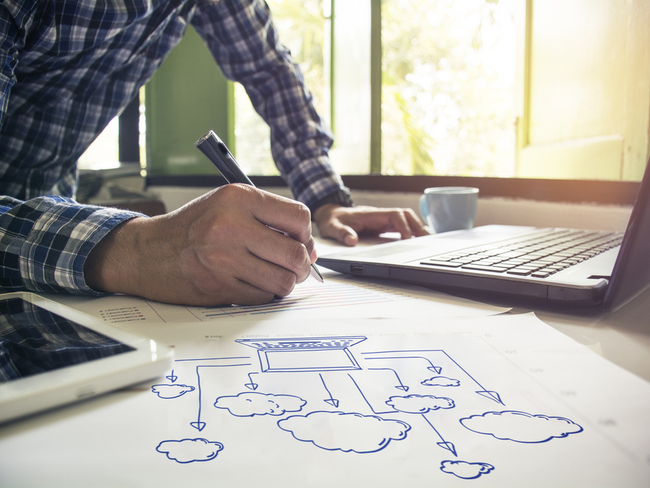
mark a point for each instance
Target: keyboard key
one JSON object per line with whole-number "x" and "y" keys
{"x": 478, "y": 267}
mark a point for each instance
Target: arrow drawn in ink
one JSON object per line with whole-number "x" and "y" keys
{"x": 431, "y": 367}
{"x": 489, "y": 394}
{"x": 251, "y": 385}
{"x": 199, "y": 425}
{"x": 401, "y": 385}
{"x": 172, "y": 377}
{"x": 331, "y": 400}
{"x": 443, "y": 443}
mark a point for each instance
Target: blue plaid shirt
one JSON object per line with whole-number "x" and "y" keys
{"x": 68, "y": 67}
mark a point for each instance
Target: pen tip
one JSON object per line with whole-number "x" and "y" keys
{"x": 316, "y": 274}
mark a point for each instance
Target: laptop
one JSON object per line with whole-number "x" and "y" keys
{"x": 52, "y": 355}
{"x": 557, "y": 266}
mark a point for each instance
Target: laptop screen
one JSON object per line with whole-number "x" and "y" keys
{"x": 631, "y": 274}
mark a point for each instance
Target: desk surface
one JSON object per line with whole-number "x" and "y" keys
{"x": 241, "y": 409}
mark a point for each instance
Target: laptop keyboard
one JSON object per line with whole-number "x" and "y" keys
{"x": 539, "y": 256}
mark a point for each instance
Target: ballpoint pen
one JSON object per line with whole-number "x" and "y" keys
{"x": 219, "y": 155}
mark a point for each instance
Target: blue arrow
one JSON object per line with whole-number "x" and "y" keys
{"x": 431, "y": 367}
{"x": 492, "y": 395}
{"x": 331, "y": 400}
{"x": 443, "y": 443}
{"x": 198, "y": 424}
{"x": 172, "y": 377}
{"x": 251, "y": 385}
{"x": 401, "y": 385}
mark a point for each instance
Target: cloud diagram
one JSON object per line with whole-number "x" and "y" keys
{"x": 249, "y": 404}
{"x": 440, "y": 381}
{"x": 520, "y": 426}
{"x": 190, "y": 450}
{"x": 347, "y": 432}
{"x": 419, "y": 403}
{"x": 465, "y": 470}
{"x": 171, "y": 391}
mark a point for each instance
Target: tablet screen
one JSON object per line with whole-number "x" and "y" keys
{"x": 34, "y": 340}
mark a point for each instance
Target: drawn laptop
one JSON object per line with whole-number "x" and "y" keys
{"x": 558, "y": 266}
{"x": 51, "y": 355}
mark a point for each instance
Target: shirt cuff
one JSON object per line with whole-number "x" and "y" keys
{"x": 45, "y": 242}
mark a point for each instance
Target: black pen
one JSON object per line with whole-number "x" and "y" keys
{"x": 219, "y": 155}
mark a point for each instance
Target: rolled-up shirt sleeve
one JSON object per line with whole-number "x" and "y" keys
{"x": 45, "y": 241}
{"x": 243, "y": 40}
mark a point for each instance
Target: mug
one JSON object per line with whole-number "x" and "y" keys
{"x": 447, "y": 208}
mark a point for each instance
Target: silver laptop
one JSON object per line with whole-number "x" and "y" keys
{"x": 561, "y": 266}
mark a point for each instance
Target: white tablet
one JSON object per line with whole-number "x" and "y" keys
{"x": 51, "y": 355}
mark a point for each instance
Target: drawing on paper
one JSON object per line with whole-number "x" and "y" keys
{"x": 330, "y": 397}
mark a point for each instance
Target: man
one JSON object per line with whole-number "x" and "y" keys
{"x": 67, "y": 68}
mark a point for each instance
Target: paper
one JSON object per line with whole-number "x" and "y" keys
{"x": 339, "y": 297}
{"x": 480, "y": 401}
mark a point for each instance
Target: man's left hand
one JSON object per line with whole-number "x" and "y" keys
{"x": 345, "y": 224}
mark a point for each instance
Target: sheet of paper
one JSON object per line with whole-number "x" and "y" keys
{"x": 497, "y": 401}
{"x": 339, "y": 297}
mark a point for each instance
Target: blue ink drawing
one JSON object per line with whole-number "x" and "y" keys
{"x": 409, "y": 355}
{"x": 330, "y": 400}
{"x": 465, "y": 470}
{"x": 249, "y": 404}
{"x": 422, "y": 404}
{"x": 171, "y": 391}
{"x": 190, "y": 450}
{"x": 347, "y": 432}
{"x": 304, "y": 354}
{"x": 521, "y": 427}
{"x": 392, "y": 389}
{"x": 400, "y": 385}
{"x": 441, "y": 381}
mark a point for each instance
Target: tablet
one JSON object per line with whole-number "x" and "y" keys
{"x": 51, "y": 355}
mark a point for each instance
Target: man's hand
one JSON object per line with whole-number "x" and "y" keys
{"x": 345, "y": 224}
{"x": 215, "y": 250}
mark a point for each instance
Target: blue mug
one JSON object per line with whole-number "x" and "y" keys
{"x": 447, "y": 208}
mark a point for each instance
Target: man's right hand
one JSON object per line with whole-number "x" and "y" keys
{"x": 215, "y": 250}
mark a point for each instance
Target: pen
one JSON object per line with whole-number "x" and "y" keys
{"x": 219, "y": 155}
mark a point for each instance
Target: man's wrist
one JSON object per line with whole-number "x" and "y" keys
{"x": 340, "y": 197}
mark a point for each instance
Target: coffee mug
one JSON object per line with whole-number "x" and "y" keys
{"x": 447, "y": 208}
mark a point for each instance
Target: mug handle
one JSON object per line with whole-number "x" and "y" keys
{"x": 423, "y": 208}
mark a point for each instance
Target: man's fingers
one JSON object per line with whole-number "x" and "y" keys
{"x": 342, "y": 233}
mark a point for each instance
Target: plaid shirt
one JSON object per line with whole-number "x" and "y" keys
{"x": 68, "y": 67}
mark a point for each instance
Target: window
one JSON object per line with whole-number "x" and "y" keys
{"x": 448, "y": 71}
{"x": 474, "y": 92}
{"x": 302, "y": 25}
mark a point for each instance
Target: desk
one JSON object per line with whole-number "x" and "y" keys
{"x": 392, "y": 402}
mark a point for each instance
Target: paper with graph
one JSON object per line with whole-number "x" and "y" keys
{"x": 339, "y": 297}
{"x": 483, "y": 401}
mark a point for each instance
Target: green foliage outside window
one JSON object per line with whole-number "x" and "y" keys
{"x": 447, "y": 87}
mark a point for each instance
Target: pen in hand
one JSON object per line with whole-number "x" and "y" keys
{"x": 219, "y": 155}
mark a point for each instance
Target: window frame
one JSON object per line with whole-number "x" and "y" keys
{"x": 606, "y": 192}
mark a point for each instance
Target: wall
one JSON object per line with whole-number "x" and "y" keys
{"x": 490, "y": 210}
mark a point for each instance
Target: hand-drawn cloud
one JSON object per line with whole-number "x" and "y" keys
{"x": 171, "y": 391}
{"x": 465, "y": 470}
{"x": 347, "y": 432}
{"x": 520, "y": 426}
{"x": 440, "y": 381}
{"x": 190, "y": 450}
{"x": 249, "y": 404}
{"x": 419, "y": 403}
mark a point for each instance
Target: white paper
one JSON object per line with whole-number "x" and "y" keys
{"x": 339, "y": 297}
{"x": 480, "y": 401}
